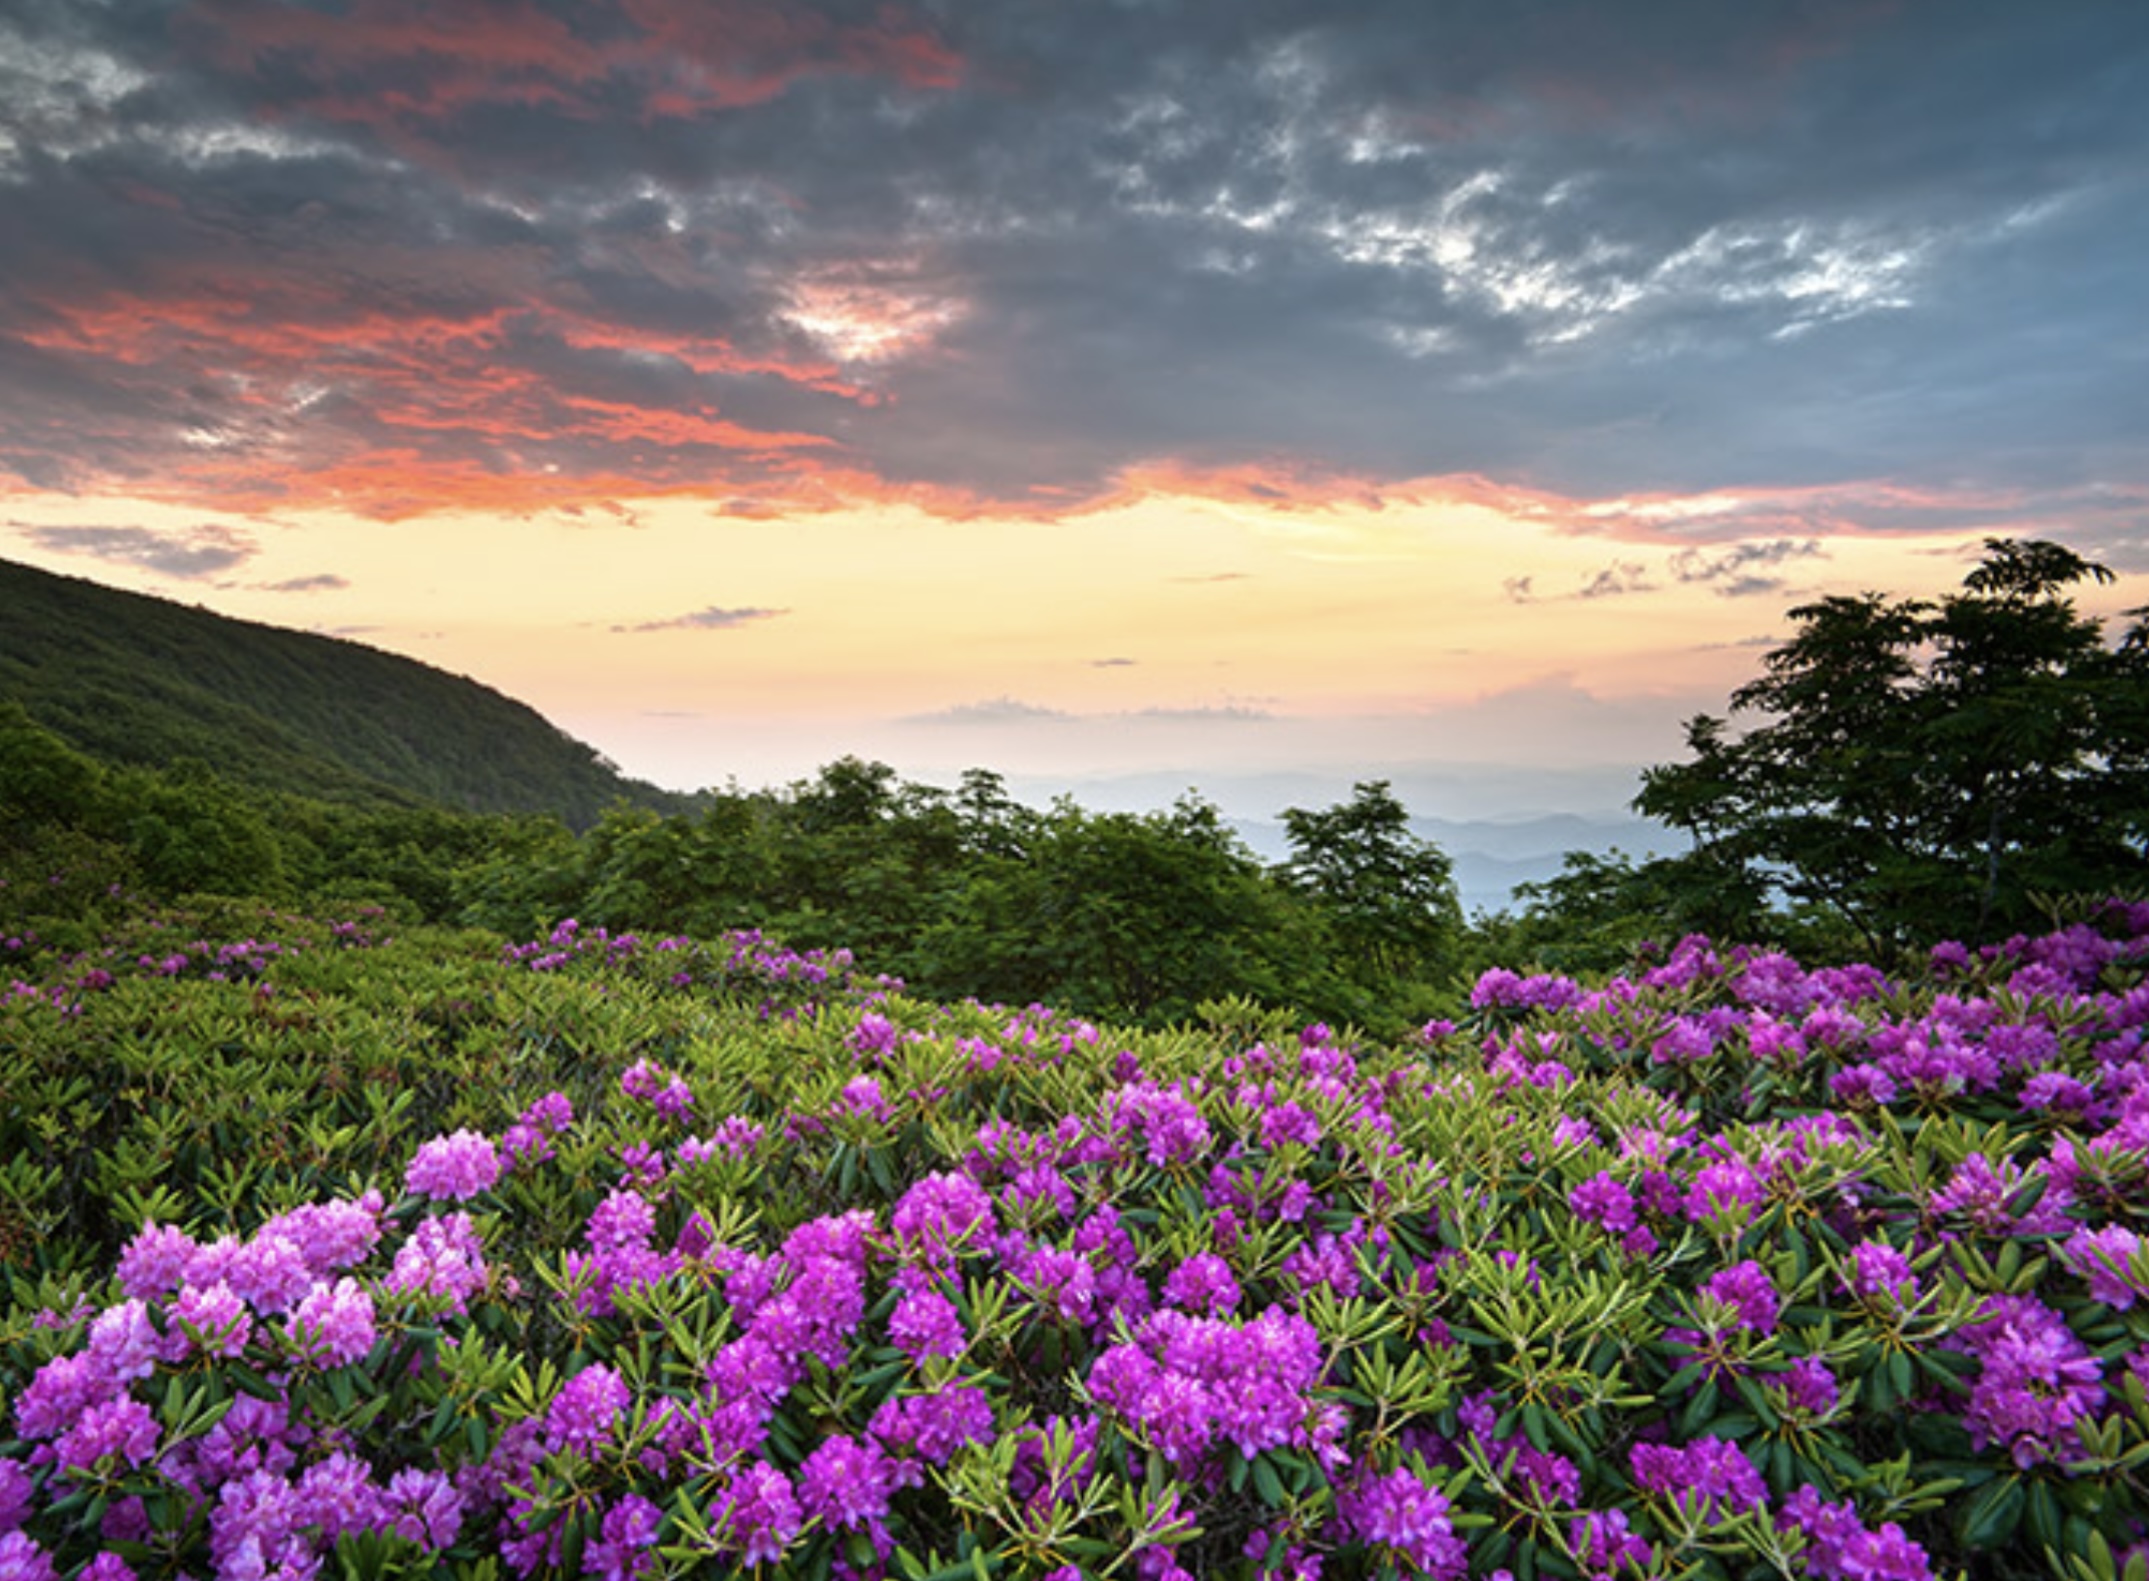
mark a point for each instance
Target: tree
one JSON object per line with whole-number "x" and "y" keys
{"x": 1388, "y": 895}
{"x": 1602, "y": 914}
{"x": 43, "y": 781}
{"x": 193, "y": 832}
{"x": 1931, "y": 768}
{"x": 1138, "y": 916}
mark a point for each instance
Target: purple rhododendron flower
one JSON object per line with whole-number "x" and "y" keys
{"x": 111, "y": 1430}
{"x": 1710, "y": 1476}
{"x": 529, "y": 1139}
{"x": 933, "y": 1426}
{"x": 2103, "y": 1258}
{"x": 453, "y": 1168}
{"x": 1729, "y": 1191}
{"x": 757, "y": 1515}
{"x": 1396, "y": 1510}
{"x": 269, "y": 1271}
{"x": 925, "y": 1323}
{"x": 337, "y": 1496}
{"x": 1290, "y": 1123}
{"x": 1170, "y": 1126}
{"x": 257, "y": 1528}
{"x": 1809, "y": 1386}
{"x": 443, "y": 1257}
{"x": 1203, "y": 1285}
{"x": 22, "y": 1560}
{"x": 155, "y": 1262}
{"x": 16, "y": 1489}
{"x": 125, "y": 1344}
{"x": 1188, "y": 1382}
{"x": 847, "y": 1483}
{"x": 2037, "y": 1384}
{"x": 60, "y": 1392}
{"x": 1747, "y": 1287}
{"x": 330, "y": 1236}
{"x": 582, "y": 1413}
{"x": 1062, "y": 1282}
{"x": 218, "y": 1315}
{"x": 1606, "y": 1545}
{"x": 942, "y": 1215}
{"x": 623, "y": 1219}
{"x": 1605, "y": 1202}
{"x": 423, "y": 1507}
{"x": 622, "y": 1551}
{"x": 1879, "y": 1270}
{"x": 1862, "y": 1087}
{"x": 862, "y": 1096}
{"x": 333, "y": 1326}
{"x": 1840, "y": 1548}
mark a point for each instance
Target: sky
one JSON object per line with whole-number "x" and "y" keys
{"x": 1456, "y": 392}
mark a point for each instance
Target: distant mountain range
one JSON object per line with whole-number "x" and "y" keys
{"x": 1492, "y": 858}
{"x": 131, "y": 679}
{"x": 1492, "y": 852}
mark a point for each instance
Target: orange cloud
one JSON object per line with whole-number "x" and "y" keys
{"x": 706, "y": 355}
{"x": 1299, "y": 486}
{"x": 616, "y": 420}
{"x": 395, "y": 61}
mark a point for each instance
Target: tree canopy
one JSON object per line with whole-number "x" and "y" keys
{"x": 1933, "y": 767}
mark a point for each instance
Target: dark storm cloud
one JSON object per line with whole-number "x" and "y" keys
{"x": 523, "y": 255}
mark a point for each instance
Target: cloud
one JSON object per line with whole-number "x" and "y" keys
{"x": 992, "y": 711}
{"x": 1742, "y": 642}
{"x": 1001, "y": 711}
{"x": 1112, "y": 664}
{"x": 1622, "y": 576}
{"x": 711, "y": 619}
{"x": 1740, "y": 570}
{"x": 787, "y": 257}
{"x": 324, "y": 582}
{"x": 194, "y": 554}
{"x": 1611, "y": 581}
{"x": 1224, "y": 714}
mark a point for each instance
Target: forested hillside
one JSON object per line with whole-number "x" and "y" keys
{"x": 132, "y": 680}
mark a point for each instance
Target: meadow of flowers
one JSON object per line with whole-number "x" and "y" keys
{"x": 349, "y": 1255}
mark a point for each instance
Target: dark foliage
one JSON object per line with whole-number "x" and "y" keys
{"x": 142, "y": 681}
{"x": 1933, "y": 769}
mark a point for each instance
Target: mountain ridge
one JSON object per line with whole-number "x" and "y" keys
{"x": 137, "y": 680}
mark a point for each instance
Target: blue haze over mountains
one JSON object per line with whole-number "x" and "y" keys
{"x": 1502, "y": 826}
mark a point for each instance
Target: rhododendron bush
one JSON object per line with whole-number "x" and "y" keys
{"x": 618, "y": 1258}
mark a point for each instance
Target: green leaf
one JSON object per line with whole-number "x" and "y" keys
{"x": 1990, "y": 1515}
